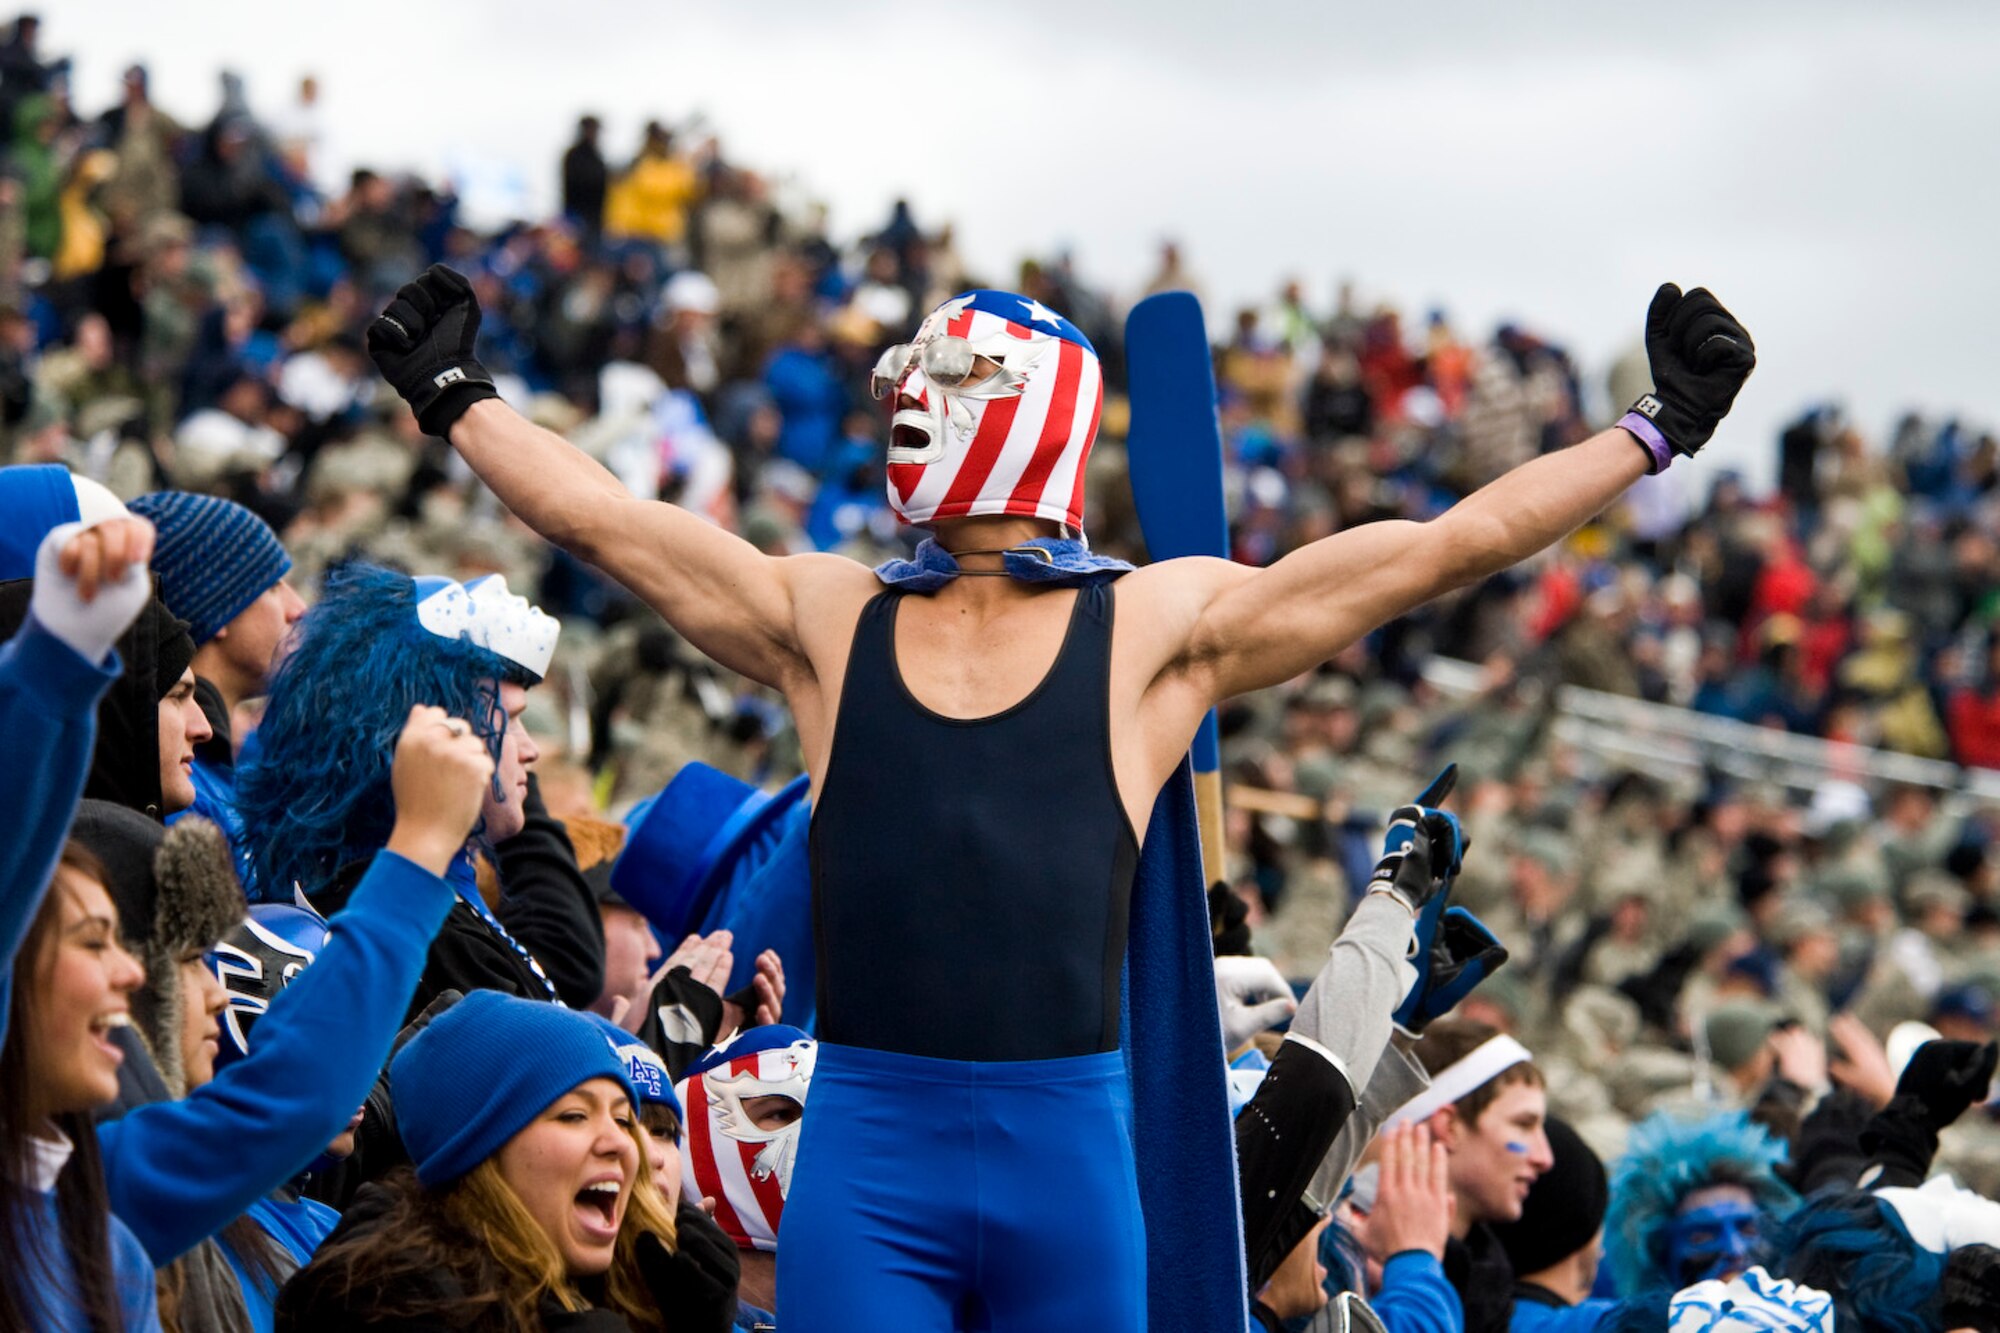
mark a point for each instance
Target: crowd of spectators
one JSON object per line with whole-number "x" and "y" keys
{"x": 181, "y": 309}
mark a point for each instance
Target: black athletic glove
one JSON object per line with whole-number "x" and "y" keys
{"x": 422, "y": 344}
{"x": 1700, "y": 357}
{"x": 694, "y": 1286}
{"x": 1421, "y": 853}
{"x": 1946, "y": 1078}
{"x": 1971, "y": 1289}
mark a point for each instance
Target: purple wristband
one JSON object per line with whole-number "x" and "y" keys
{"x": 1649, "y": 437}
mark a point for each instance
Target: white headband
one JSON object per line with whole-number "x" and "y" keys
{"x": 1480, "y": 1066}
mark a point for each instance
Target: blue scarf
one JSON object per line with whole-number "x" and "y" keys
{"x": 465, "y": 882}
{"x": 1062, "y": 561}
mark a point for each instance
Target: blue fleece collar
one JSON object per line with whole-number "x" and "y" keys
{"x": 1062, "y": 561}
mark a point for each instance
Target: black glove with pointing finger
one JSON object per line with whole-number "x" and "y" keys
{"x": 1700, "y": 356}
{"x": 423, "y": 344}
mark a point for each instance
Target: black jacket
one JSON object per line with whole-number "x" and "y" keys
{"x": 544, "y": 904}
{"x": 219, "y": 750}
{"x": 1478, "y": 1270}
{"x": 125, "y": 766}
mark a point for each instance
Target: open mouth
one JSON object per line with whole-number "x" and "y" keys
{"x": 904, "y": 436}
{"x": 597, "y": 1209}
{"x": 100, "y": 1032}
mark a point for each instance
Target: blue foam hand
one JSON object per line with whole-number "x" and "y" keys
{"x": 1423, "y": 959}
{"x": 1466, "y": 954}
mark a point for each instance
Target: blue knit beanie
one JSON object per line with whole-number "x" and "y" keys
{"x": 483, "y": 1070}
{"x": 644, "y": 1068}
{"x": 213, "y": 557}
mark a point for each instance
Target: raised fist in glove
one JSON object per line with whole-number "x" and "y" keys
{"x": 423, "y": 343}
{"x": 1947, "y": 1077}
{"x": 1700, "y": 357}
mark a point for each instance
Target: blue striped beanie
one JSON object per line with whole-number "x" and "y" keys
{"x": 213, "y": 557}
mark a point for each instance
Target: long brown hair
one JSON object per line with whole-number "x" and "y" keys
{"x": 499, "y": 1263}
{"x": 83, "y": 1205}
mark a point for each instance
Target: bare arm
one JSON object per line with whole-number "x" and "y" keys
{"x": 732, "y": 601}
{"x": 1261, "y": 627}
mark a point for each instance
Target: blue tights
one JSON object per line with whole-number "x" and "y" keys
{"x": 947, "y": 1196}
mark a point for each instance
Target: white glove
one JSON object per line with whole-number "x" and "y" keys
{"x": 91, "y": 628}
{"x": 1253, "y": 994}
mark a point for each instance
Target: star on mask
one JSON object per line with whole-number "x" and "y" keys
{"x": 1041, "y": 314}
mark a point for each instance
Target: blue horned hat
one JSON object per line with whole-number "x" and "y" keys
{"x": 1668, "y": 1157}
{"x": 313, "y": 786}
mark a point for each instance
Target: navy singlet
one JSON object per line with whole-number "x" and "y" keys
{"x": 972, "y": 878}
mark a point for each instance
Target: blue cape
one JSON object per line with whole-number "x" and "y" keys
{"x": 1182, "y": 1140}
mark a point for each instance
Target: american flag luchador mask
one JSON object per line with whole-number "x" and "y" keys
{"x": 746, "y": 1169}
{"x": 1006, "y": 396}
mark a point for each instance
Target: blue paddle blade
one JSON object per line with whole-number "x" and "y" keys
{"x": 1174, "y": 446}
{"x": 1175, "y": 441}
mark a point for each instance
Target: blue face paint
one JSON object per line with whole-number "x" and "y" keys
{"x": 1518, "y": 1149}
{"x": 1713, "y": 1241}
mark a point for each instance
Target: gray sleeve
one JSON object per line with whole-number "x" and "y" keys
{"x": 1398, "y": 1078}
{"x": 1345, "y": 1015}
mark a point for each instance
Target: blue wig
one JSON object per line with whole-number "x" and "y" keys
{"x": 1669, "y": 1157}
{"x": 314, "y": 788}
{"x": 1851, "y": 1245}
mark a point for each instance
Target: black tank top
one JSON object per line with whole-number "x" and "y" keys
{"x": 971, "y": 878}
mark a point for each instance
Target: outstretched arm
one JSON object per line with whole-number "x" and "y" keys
{"x": 726, "y": 597}
{"x": 1266, "y": 626}
{"x": 1260, "y": 627}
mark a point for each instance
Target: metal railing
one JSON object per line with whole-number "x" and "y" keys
{"x": 1678, "y": 745}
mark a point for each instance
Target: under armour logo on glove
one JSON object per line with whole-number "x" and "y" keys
{"x": 423, "y": 345}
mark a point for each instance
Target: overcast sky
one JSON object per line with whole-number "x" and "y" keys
{"x": 1828, "y": 169}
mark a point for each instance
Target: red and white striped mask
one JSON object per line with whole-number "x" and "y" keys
{"x": 1012, "y": 442}
{"x": 727, "y": 1156}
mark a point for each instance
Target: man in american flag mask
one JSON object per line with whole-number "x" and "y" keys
{"x": 995, "y": 732}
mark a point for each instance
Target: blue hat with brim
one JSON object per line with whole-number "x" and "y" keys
{"x": 681, "y": 841}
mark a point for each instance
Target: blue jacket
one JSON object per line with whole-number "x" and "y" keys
{"x": 1533, "y": 1316}
{"x": 808, "y": 391}
{"x": 1415, "y": 1297}
{"x": 53, "y": 1279}
{"x": 48, "y": 725}
{"x": 298, "y": 1225}
{"x": 179, "y": 1171}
